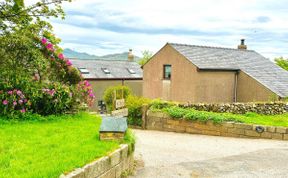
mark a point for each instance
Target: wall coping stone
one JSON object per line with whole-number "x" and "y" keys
{"x": 111, "y": 164}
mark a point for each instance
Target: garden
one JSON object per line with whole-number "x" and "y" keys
{"x": 44, "y": 127}
{"x": 48, "y": 146}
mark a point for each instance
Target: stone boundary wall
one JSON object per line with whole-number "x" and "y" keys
{"x": 241, "y": 108}
{"x": 111, "y": 166}
{"x": 163, "y": 122}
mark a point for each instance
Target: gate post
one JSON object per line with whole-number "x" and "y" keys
{"x": 144, "y": 115}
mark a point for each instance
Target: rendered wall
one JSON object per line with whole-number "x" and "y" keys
{"x": 187, "y": 83}
{"x": 250, "y": 90}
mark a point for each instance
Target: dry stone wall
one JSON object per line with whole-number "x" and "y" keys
{"x": 163, "y": 122}
{"x": 241, "y": 108}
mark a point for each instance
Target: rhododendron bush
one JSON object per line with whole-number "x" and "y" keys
{"x": 35, "y": 76}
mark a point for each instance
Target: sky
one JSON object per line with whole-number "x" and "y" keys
{"x": 113, "y": 26}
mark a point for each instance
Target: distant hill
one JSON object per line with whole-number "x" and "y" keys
{"x": 69, "y": 53}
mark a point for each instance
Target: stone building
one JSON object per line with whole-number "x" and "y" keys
{"x": 190, "y": 73}
{"x": 105, "y": 73}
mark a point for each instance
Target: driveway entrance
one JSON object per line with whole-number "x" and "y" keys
{"x": 168, "y": 154}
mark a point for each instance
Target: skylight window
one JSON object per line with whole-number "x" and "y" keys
{"x": 131, "y": 71}
{"x": 84, "y": 70}
{"x": 105, "y": 70}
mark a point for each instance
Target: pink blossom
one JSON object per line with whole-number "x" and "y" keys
{"x": 87, "y": 84}
{"x": 91, "y": 95}
{"x": 49, "y": 47}
{"x": 14, "y": 103}
{"x": 20, "y": 101}
{"x": 44, "y": 41}
{"x": 68, "y": 63}
{"x": 23, "y": 110}
{"x": 25, "y": 100}
{"x": 5, "y": 102}
{"x": 10, "y": 92}
{"x": 51, "y": 92}
{"x": 19, "y": 92}
{"x": 61, "y": 56}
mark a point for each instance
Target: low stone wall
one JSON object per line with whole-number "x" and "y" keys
{"x": 163, "y": 122}
{"x": 242, "y": 108}
{"x": 111, "y": 166}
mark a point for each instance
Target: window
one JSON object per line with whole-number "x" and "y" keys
{"x": 105, "y": 70}
{"x": 131, "y": 71}
{"x": 167, "y": 71}
{"x": 84, "y": 70}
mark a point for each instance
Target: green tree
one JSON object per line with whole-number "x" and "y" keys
{"x": 282, "y": 62}
{"x": 32, "y": 62}
{"x": 146, "y": 55}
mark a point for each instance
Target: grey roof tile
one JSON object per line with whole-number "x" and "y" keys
{"x": 118, "y": 69}
{"x": 258, "y": 67}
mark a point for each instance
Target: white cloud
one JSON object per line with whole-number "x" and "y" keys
{"x": 102, "y": 27}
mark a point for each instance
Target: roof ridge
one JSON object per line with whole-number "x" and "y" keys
{"x": 213, "y": 47}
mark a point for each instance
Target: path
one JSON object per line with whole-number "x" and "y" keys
{"x": 168, "y": 154}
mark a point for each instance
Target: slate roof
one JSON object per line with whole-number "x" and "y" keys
{"x": 118, "y": 69}
{"x": 253, "y": 64}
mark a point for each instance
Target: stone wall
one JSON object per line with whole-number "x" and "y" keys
{"x": 163, "y": 122}
{"x": 111, "y": 166}
{"x": 242, "y": 108}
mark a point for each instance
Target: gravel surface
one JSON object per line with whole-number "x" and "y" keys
{"x": 168, "y": 154}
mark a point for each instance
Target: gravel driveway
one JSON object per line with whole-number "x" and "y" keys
{"x": 168, "y": 154}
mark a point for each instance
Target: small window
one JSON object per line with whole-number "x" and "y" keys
{"x": 131, "y": 71}
{"x": 105, "y": 70}
{"x": 167, "y": 71}
{"x": 84, "y": 70}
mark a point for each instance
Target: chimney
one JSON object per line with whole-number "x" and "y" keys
{"x": 130, "y": 55}
{"x": 242, "y": 45}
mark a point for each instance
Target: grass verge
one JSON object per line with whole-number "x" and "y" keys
{"x": 50, "y": 147}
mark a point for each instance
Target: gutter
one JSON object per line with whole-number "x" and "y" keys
{"x": 217, "y": 70}
{"x": 95, "y": 79}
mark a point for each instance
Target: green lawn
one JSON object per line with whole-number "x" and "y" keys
{"x": 48, "y": 148}
{"x": 252, "y": 118}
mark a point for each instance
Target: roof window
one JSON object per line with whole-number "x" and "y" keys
{"x": 105, "y": 70}
{"x": 131, "y": 71}
{"x": 84, "y": 70}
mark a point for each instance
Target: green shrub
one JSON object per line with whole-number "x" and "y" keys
{"x": 203, "y": 116}
{"x": 109, "y": 95}
{"x": 176, "y": 112}
{"x": 134, "y": 105}
{"x": 160, "y": 104}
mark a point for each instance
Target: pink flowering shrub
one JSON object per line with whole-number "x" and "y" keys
{"x": 53, "y": 99}
{"x": 85, "y": 93}
{"x": 13, "y": 102}
{"x": 56, "y": 88}
{"x": 62, "y": 66}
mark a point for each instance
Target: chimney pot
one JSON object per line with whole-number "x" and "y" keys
{"x": 130, "y": 55}
{"x": 242, "y": 45}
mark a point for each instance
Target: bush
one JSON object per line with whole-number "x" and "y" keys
{"x": 160, "y": 104}
{"x": 109, "y": 95}
{"x": 203, "y": 116}
{"x": 25, "y": 96}
{"x": 134, "y": 105}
